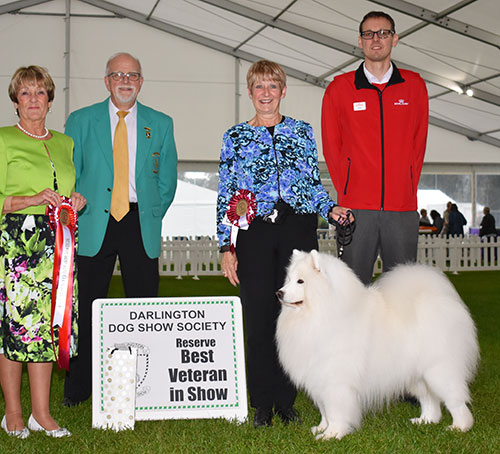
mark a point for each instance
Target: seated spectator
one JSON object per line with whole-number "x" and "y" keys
{"x": 437, "y": 221}
{"x": 487, "y": 226}
{"x": 424, "y": 219}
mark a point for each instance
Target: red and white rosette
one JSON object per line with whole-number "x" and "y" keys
{"x": 63, "y": 219}
{"x": 241, "y": 212}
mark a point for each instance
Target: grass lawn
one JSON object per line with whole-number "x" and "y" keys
{"x": 387, "y": 432}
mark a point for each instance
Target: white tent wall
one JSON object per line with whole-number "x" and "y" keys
{"x": 29, "y": 40}
{"x": 193, "y": 84}
{"x": 447, "y": 147}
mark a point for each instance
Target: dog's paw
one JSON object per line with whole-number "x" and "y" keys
{"x": 323, "y": 424}
{"x": 325, "y": 436}
{"x": 459, "y": 428}
{"x": 317, "y": 429}
{"x": 333, "y": 432}
{"x": 424, "y": 420}
{"x": 462, "y": 418}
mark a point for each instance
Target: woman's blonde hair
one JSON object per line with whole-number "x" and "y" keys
{"x": 31, "y": 75}
{"x": 265, "y": 69}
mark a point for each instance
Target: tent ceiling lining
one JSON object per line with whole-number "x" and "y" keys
{"x": 194, "y": 37}
{"x": 442, "y": 21}
{"x": 16, "y": 6}
{"x": 254, "y": 28}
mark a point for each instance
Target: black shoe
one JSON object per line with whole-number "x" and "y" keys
{"x": 67, "y": 402}
{"x": 410, "y": 399}
{"x": 263, "y": 417}
{"x": 288, "y": 415}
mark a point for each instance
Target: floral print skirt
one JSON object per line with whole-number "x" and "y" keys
{"x": 26, "y": 266}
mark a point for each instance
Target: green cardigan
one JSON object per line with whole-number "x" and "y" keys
{"x": 25, "y": 168}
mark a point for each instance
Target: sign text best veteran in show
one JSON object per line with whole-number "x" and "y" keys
{"x": 190, "y": 355}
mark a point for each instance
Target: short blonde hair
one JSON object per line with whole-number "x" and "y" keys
{"x": 31, "y": 75}
{"x": 265, "y": 69}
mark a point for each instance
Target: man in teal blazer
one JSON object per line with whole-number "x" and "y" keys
{"x": 136, "y": 237}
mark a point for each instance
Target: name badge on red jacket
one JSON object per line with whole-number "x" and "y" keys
{"x": 359, "y": 106}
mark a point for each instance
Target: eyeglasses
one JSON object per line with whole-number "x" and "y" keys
{"x": 118, "y": 75}
{"x": 382, "y": 34}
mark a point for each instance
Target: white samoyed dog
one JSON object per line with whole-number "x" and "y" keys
{"x": 352, "y": 348}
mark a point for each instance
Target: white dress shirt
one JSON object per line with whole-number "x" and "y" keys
{"x": 373, "y": 80}
{"x": 131, "y": 122}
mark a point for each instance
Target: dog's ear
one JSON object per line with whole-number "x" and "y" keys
{"x": 295, "y": 252}
{"x": 315, "y": 258}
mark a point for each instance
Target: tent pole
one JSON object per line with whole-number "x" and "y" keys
{"x": 473, "y": 221}
{"x": 237, "y": 93}
{"x": 67, "y": 59}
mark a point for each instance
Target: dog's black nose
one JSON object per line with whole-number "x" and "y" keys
{"x": 279, "y": 295}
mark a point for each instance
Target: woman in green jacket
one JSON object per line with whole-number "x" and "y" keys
{"x": 36, "y": 170}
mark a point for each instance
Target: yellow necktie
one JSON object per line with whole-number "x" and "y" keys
{"x": 119, "y": 197}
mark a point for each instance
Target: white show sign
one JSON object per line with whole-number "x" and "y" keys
{"x": 190, "y": 356}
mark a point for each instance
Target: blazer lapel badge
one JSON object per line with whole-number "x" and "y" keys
{"x": 156, "y": 162}
{"x": 148, "y": 132}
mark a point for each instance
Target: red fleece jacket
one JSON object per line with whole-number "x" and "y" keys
{"x": 374, "y": 139}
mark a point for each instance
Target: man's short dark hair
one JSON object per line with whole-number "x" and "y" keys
{"x": 373, "y": 14}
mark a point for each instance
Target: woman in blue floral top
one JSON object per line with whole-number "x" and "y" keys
{"x": 274, "y": 160}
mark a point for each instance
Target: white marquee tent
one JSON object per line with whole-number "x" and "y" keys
{"x": 192, "y": 212}
{"x": 195, "y": 54}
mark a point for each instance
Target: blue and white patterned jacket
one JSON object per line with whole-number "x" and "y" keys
{"x": 249, "y": 157}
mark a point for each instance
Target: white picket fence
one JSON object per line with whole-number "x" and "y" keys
{"x": 469, "y": 253}
{"x": 199, "y": 256}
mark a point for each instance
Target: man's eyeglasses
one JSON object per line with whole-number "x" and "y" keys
{"x": 118, "y": 75}
{"x": 382, "y": 34}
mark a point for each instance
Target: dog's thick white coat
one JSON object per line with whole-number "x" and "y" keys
{"x": 352, "y": 348}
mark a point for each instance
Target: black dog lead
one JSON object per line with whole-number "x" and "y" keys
{"x": 344, "y": 230}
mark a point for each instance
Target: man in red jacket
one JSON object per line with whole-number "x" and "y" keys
{"x": 374, "y": 128}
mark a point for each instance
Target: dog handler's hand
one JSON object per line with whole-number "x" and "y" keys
{"x": 340, "y": 214}
{"x": 229, "y": 266}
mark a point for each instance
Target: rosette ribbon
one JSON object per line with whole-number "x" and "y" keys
{"x": 241, "y": 212}
{"x": 63, "y": 219}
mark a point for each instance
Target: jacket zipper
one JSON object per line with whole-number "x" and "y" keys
{"x": 411, "y": 180}
{"x": 382, "y": 195}
{"x": 348, "y": 173}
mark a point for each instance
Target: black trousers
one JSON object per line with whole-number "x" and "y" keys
{"x": 263, "y": 253}
{"x": 140, "y": 279}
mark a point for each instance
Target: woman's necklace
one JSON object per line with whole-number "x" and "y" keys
{"x": 33, "y": 135}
